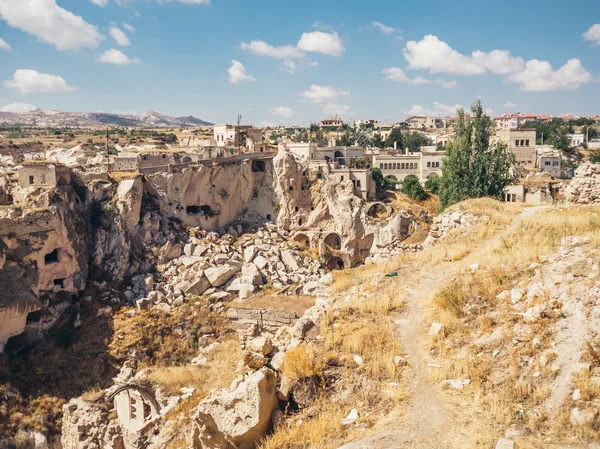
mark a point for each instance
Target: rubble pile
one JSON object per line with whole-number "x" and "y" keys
{"x": 223, "y": 267}
{"x": 449, "y": 222}
{"x": 584, "y": 188}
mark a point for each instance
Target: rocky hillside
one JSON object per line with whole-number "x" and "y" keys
{"x": 50, "y": 118}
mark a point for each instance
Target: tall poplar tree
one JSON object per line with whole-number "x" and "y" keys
{"x": 472, "y": 167}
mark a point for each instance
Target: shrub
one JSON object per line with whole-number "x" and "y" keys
{"x": 413, "y": 188}
{"x": 433, "y": 185}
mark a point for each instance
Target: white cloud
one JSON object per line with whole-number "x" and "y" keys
{"x": 593, "y": 34}
{"x": 336, "y": 109}
{"x": 321, "y": 26}
{"x": 114, "y": 56}
{"x": 17, "y": 108}
{"x": 119, "y": 36}
{"x": 437, "y": 56}
{"x": 314, "y": 63}
{"x": 322, "y": 94}
{"x": 237, "y": 73}
{"x": 385, "y": 29}
{"x": 187, "y": 2}
{"x": 128, "y": 27}
{"x": 510, "y": 105}
{"x": 50, "y": 23}
{"x": 283, "y": 111}
{"x": 4, "y": 45}
{"x": 328, "y": 44}
{"x": 399, "y": 76}
{"x": 439, "y": 109}
{"x": 101, "y": 3}
{"x": 27, "y": 80}
{"x": 290, "y": 66}
{"x": 267, "y": 124}
{"x": 538, "y": 76}
{"x": 264, "y": 49}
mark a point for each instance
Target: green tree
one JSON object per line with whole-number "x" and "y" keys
{"x": 472, "y": 168}
{"x": 415, "y": 140}
{"x": 595, "y": 157}
{"x": 395, "y": 136}
{"x": 377, "y": 141}
{"x": 380, "y": 183}
{"x": 413, "y": 188}
{"x": 433, "y": 184}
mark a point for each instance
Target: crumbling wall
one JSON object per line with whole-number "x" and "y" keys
{"x": 249, "y": 322}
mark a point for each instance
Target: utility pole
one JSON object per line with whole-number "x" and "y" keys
{"x": 239, "y": 137}
{"x": 107, "y": 153}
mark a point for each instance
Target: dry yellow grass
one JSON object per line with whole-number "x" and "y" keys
{"x": 300, "y": 362}
{"x": 218, "y": 372}
{"x": 501, "y": 266}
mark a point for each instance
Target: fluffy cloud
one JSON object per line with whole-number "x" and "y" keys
{"x": 262, "y": 48}
{"x": 437, "y": 56}
{"x": 283, "y": 111}
{"x": 50, "y": 23}
{"x": 4, "y": 45}
{"x": 510, "y": 105}
{"x": 328, "y": 44}
{"x": 385, "y": 29}
{"x": 119, "y": 36}
{"x": 114, "y": 56}
{"x": 290, "y": 66}
{"x": 439, "y": 109}
{"x": 128, "y": 27}
{"x": 593, "y": 34}
{"x": 322, "y": 94}
{"x": 101, "y": 3}
{"x": 26, "y": 80}
{"x": 538, "y": 76}
{"x": 187, "y": 2}
{"x": 397, "y": 75}
{"x": 17, "y": 108}
{"x": 237, "y": 73}
{"x": 336, "y": 109}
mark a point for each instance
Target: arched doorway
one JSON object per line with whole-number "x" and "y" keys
{"x": 302, "y": 239}
{"x": 335, "y": 263}
{"x": 333, "y": 240}
{"x": 377, "y": 210}
{"x": 338, "y": 157}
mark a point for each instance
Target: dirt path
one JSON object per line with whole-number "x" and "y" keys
{"x": 435, "y": 418}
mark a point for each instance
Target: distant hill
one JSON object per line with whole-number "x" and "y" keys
{"x": 50, "y": 118}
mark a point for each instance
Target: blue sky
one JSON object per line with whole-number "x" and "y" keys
{"x": 377, "y": 59}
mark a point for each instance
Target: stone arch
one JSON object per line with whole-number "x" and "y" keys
{"x": 259, "y": 166}
{"x": 186, "y": 159}
{"x": 433, "y": 175}
{"x": 335, "y": 263}
{"x": 377, "y": 210}
{"x": 338, "y": 156}
{"x": 303, "y": 239}
{"x": 333, "y": 240}
{"x": 391, "y": 178}
{"x": 136, "y": 406}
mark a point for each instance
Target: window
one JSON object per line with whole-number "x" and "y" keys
{"x": 341, "y": 178}
{"x": 546, "y": 163}
{"x": 291, "y": 188}
{"x": 517, "y": 142}
{"x": 428, "y": 164}
{"x": 555, "y": 163}
{"x": 358, "y": 183}
{"x": 522, "y": 142}
{"x": 402, "y": 166}
{"x": 31, "y": 179}
{"x": 296, "y": 209}
{"x": 527, "y": 143}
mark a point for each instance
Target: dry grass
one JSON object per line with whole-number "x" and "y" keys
{"x": 301, "y": 362}
{"x": 469, "y": 307}
{"x": 345, "y": 279}
{"x": 360, "y": 326}
{"x": 218, "y": 372}
{"x": 283, "y": 303}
